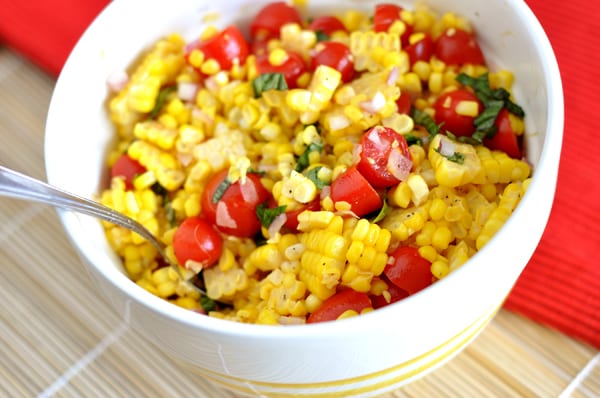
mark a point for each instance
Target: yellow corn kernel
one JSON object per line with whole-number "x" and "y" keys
{"x": 428, "y": 252}
{"x": 441, "y": 238}
{"x": 467, "y": 108}
{"x": 210, "y": 67}
{"x": 418, "y": 187}
{"x": 436, "y": 82}
{"x": 277, "y": 57}
{"x": 440, "y": 269}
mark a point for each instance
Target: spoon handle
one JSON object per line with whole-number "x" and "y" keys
{"x": 20, "y": 186}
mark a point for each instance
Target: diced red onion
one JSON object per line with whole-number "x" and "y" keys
{"x": 211, "y": 84}
{"x": 399, "y": 165}
{"x": 356, "y": 151}
{"x": 223, "y": 218}
{"x": 117, "y": 80}
{"x": 373, "y": 105}
{"x": 375, "y": 138}
{"x": 277, "y": 224}
{"x": 325, "y": 192}
{"x": 393, "y": 76}
{"x": 447, "y": 147}
{"x": 186, "y": 91}
{"x": 248, "y": 191}
{"x": 338, "y": 122}
{"x": 185, "y": 158}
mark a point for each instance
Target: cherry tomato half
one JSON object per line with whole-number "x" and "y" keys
{"x": 196, "y": 239}
{"x": 339, "y": 303}
{"x": 421, "y": 50}
{"x": 128, "y": 169}
{"x": 224, "y": 47}
{"x": 458, "y": 47}
{"x": 235, "y": 212}
{"x": 336, "y": 55}
{"x": 404, "y": 103}
{"x": 445, "y": 112}
{"x": 384, "y": 158}
{"x": 385, "y": 15}
{"x": 291, "y": 221}
{"x": 292, "y": 68}
{"x": 352, "y": 187}
{"x": 396, "y": 294}
{"x": 505, "y": 138}
{"x": 269, "y": 20}
{"x": 327, "y": 24}
{"x": 408, "y": 270}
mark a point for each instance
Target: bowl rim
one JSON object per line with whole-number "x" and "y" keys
{"x": 550, "y": 150}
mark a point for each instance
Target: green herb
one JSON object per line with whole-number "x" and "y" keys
{"x": 322, "y": 36}
{"x": 385, "y": 209}
{"x": 220, "y": 191}
{"x": 255, "y": 171}
{"x": 207, "y": 303}
{"x": 266, "y": 215}
{"x": 268, "y": 81}
{"x": 423, "y": 119}
{"x": 303, "y": 161}
{"x": 456, "y": 157}
{"x": 161, "y": 99}
{"x": 170, "y": 214}
{"x": 412, "y": 139}
{"x": 493, "y": 101}
{"x": 313, "y": 175}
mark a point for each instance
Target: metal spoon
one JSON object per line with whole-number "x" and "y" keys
{"x": 20, "y": 186}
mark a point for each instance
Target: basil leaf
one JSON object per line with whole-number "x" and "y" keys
{"x": 220, "y": 191}
{"x": 412, "y": 139}
{"x": 456, "y": 157}
{"x": 303, "y": 161}
{"x": 321, "y": 36}
{"x": 207, "y": 303}
{"x": 268, "y": 81}
{"x": 385, "y": 209}
{"x": 483, "y": 91}
{"x": 423, "y": 119}
{"x": 266, "y": 215}
{"x": 485, "y": 121}
{"x": 313, "y": 175}
{"x": 161, "y": 99}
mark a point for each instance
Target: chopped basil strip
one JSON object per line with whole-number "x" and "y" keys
{"x": 266, "y": 215}
{"x": 456, "y": 157}
{"x": 268, "y": 81}
{"x": 385, "y": 209}
{"x": 322, "y": 36}
{"x": 161, "y": 99}
{"x": 423, "y": 119}
{"x": 313, "y": 175}
{"x": 481, "y": 86}
{"x": 412, "y": 139}
{"x": 220, "y": 191}
{"x": 303, "y": 161}
{"x": 207, "y": 303}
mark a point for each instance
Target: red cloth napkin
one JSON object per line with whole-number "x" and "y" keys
{"x": 560, "y": 287}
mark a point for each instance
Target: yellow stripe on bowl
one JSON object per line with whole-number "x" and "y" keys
{"x": 368, "y": 385}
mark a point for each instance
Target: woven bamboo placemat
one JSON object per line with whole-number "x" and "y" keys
{"x": 58, "y": 336}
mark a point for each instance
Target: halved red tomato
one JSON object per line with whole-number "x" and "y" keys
{"x": 384, "y": 157}
{"x": 446, "y": 112}
{"x": 233, "y": 209}
{"x": 353, "y": 188}
{"x": 269, "y": 20}
{"x": 457, "y": 47}
{"x": 225, "y": 47}
{"x": 336, "y": 55}
{"x": 505, "y": 138}
{"x": 408, "y": 270}
{"x": 197, "y": 240}
{"x": 127, "y": 168}
{"x": 339, "y": 303}
{"x": 293, "y": 67}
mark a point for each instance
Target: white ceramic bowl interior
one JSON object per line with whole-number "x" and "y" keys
{"x": 361, "y": 356}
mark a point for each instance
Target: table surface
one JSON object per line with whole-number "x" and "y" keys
{"x": 59, "y": 337}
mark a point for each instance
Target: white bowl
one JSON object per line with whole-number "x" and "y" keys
{"x": 360, "y": 356}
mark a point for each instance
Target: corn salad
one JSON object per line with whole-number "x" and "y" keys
{"x": 315, "y": 178}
